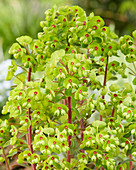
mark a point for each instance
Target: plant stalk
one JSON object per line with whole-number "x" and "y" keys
{"x": 6, "y": 160}
{"x": 29, "y": 134}
{"x": 105, "y": 78}
{"x": 69, "y": 121}
{"x": 82, "y": 127}
{"x": 87, "y": 52}
{"x": 81, "y": 132}
{"x": 112, "y": 114}
{"x": 130, "y": 163}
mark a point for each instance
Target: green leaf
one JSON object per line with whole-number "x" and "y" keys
{"x": 57, "y": 165}
{"x": 24, "y": 40}
{"x": 134, "y": 34}
{"x": 134, "y": 81}
{"x": 99, "y": 124}
{"x": 73, "y": 102}
{"x": 114, "y": 87}
{"x": 49, "y": 131}
{"x": 20, "y": 158}
{"x": 13, "y": 49}
{"x": 68, "y": 92}
{"x": 12, "y": 152}
{"x": 104, "y": 91}
{"x": 128, "y": 87}
{"x": 13, "y": 140}
{"x": 73, "y": 162}
{"x": 2, "y": 159}
{"x": 9, "y": 76}
{"x": 127, "y": 101}
{"x": 6, "y": 144}
{"x": 92, "y": 75}
{"x": 78, "y": 115}
{"x": 20, "y": 78}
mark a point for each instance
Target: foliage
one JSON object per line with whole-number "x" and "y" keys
{"x": 76, "y": 59}
{"x": 118, "y": 14}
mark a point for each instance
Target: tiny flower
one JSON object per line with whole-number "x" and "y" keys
{"x": 29, "y": 154}
{"x": 87, "y": 35}
{"x": 115, "y": 95}
{"x": 60, "y": 70}
{"x": 102, "y": 59}
{"x": 38, "y": 113}
{"x": 28, "y": 100}
{"x": 35, "y": 93}
{"x": 95, "y": 27}
{"x": 19, "y": 50}
{"x": 26, "y": 120}
{"x": 127, "y": 142}
{"x": 96, "y": 48}
{"x": 59, "y": 108}
{"x": 70, "y": 81}
{"x": 53, "y": 26}
{"x": 84, "y": 22}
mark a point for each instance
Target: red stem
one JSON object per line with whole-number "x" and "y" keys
{"x": 29, "y": 135}
{"x": 81, "y": 126}
{"x": 6, "y": 160}
{"x": 69, "y": 121}
{"x": 65, "y": 101}
{"x": 112, "y": 114}
{"x": 87, "y": 52}
{"x": 130, "y": 163}
{"x": 81, "y": 132}
{"x": 104, "y": 83}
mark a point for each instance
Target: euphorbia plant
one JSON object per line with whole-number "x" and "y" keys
{"x": 67, "y": 80}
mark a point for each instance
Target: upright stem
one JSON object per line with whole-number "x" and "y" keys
{"x": 81, "y": 132}
{"x": 130, "y": 163}
{"x": 87, "y": 52}
{"x": 29, "y": 135}
{"x": 6, "y": 160}
{"x": 82, "y": 126}
{"x": 69, "y": 121}
{"x": 29, "y": 74}
{"x": 104, "y": 83}
{"x": 112, "y": 114}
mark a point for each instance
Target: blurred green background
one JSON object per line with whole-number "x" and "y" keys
{"x": 22, "y": 17}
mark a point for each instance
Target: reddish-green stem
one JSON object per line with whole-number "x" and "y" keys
{"x": 112, "y": 114}
{"x": 29, "y": 135}
{"x": 65, "y": 101}
{"x": 81, "y": 132}
{"x": 130, "y": 163}
{"x": 82, "y": 127}
{"x": 87, "y": 52}
{"x": 69, "y": 121}
{"x": 6, "y": 160}
{"x": 105, "y": 78}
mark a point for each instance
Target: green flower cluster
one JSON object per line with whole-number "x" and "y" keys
{"x": 75, "y": 56}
